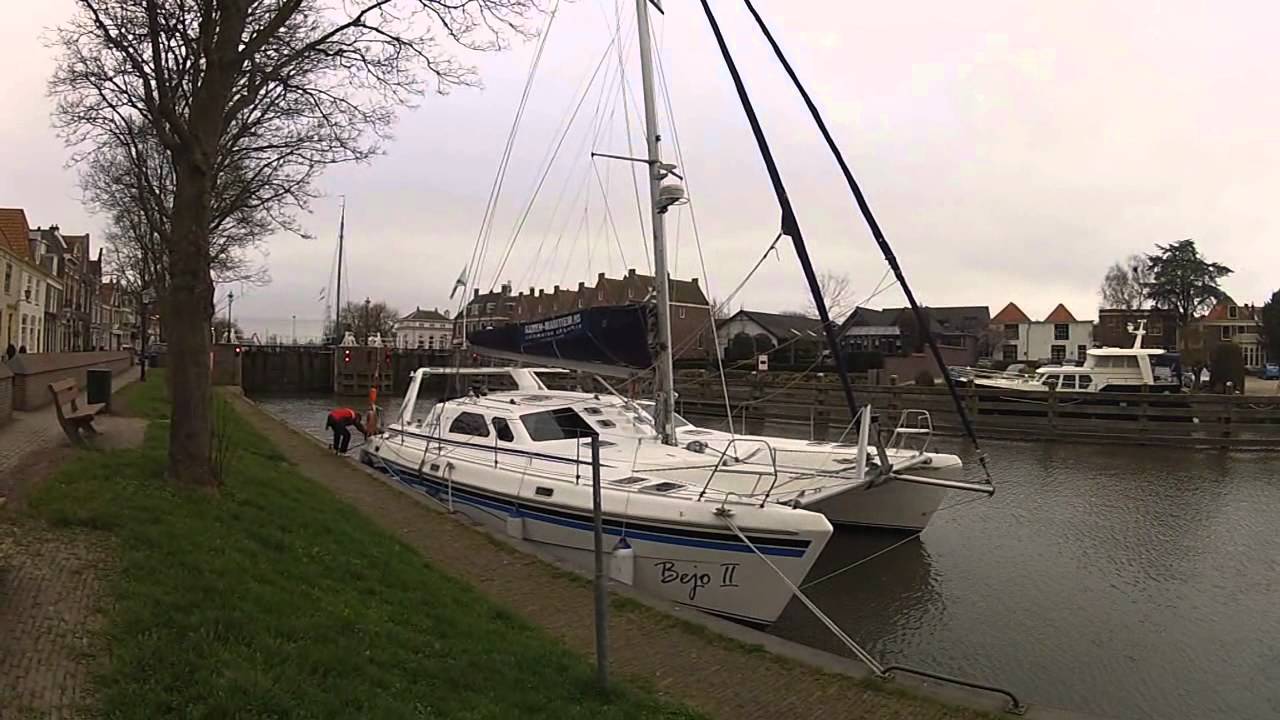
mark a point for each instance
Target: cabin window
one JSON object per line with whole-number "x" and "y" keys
{"x": 1050, "y": 381}
{"x": 1084, "y": 382}
{"x": 592, "y": 410}
{"x": 1068, "y": 382}
{"x": 1057, "y": 353}
{"x": 1081, "y": 352}
{"x": 1129, "y": 362}
{"x": 503, "y": 430}
{"x": 469, "y": 423}
{"x": 1061, "y": 331}
{"x": 606, "y": 423}
{"x": 558, "y": 424}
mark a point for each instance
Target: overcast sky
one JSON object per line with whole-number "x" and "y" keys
{"x": 1010, "y": 150}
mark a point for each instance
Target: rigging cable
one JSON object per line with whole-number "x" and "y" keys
{"x": 876, "y": 232}
{"x": 555, "y": 151}
{"x": 480, "y": 248}
{"x": 790, "y": 224}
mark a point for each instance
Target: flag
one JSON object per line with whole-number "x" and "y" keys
{"x": 460, "y": 283}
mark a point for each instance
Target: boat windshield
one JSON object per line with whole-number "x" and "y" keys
{"x": 559, "y": 424}
{"x": 650, "y": 407}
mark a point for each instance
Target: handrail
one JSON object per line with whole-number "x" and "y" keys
{"x": 773, "y": 459}
{"x": 1015, "y": 706}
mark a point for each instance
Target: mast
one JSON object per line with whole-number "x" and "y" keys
{"x": 337, "y": 319}
{"x": 666, "y": 395}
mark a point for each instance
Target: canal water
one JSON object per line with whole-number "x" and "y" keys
{"x": 1127, "y": 582}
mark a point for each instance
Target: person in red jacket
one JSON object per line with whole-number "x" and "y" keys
{"x": 338, "y": 421}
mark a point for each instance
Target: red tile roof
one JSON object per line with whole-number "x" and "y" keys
{"x": 1220, "y": 311}
{"x": 1061, "y": 314}
{"x": 14, "y": 230}
{"x": 1011, "y": 314}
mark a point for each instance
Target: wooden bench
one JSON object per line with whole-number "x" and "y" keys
{"x": 73, "y": 416}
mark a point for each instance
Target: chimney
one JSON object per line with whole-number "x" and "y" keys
{"x": 506, "y": 288}
{"x": 600, "y": 278}
{"x": 631, "y": 272}
{"x": 476, "y": 294}
{"x": 695, "y": 281}
{"x": 531, "y": 291}
{"x": 541, "y": 293}
{"x": 557, "y": 289}
{"x": 582, "y": 286}
{"x": 445, "y": 314}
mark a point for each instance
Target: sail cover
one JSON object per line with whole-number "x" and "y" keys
{"x": 613, "y": 335}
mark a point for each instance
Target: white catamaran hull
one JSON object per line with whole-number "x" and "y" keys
{"x": 683, "y": 552}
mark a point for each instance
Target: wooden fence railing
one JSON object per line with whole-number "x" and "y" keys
{"x": 1236, "y": 421}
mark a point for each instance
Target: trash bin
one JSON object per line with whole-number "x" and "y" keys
{"x": 98, "y": 386}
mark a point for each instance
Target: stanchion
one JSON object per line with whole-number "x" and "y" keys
{"x": 602, "y": 591}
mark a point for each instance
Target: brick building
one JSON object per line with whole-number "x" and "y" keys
{"x": 690, "y": 310}
{"x": 1113, "y": 328}
{"x": 1230, "y": 323}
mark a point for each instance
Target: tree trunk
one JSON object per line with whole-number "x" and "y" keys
{"x": 186, "y": 322}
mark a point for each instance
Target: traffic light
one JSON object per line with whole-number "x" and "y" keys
{"x": 346, "y": 357}
{"x": 239, "y": 349}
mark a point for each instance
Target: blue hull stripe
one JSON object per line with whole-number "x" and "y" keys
{"x": 466, "y": 495}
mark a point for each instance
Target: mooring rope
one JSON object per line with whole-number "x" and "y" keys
{"x": 861, "y": 654}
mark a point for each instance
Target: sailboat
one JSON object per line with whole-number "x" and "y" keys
{"x": 720, "y": 522}
{"x": 519, "y": 461}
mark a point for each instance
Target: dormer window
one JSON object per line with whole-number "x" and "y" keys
{"x": 1233, "y": 312}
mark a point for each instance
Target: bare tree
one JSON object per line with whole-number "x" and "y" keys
{"x": 838, "y": 294}
{"x": 363, "y": 319}
{"x": 133, "y": 186}
{"x": 251, "y": 100}
{"x": 1126, "y": 284}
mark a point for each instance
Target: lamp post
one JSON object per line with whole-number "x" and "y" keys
{"x": 148, "y": 297}
{"x": 295, "y": 329}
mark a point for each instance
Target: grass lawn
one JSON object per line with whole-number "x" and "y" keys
{"x": 275, "y": 599}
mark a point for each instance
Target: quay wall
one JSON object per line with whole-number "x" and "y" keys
{"x": 33, "y": 372}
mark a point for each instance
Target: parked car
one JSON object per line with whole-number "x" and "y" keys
{"x": 1271, "y": 371}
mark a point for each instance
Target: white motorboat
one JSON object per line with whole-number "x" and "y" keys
{"x": 519, "y": 462}
{"x": 1132, "y": 369}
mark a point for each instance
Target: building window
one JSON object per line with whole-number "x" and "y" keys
{"x": 1081, "y": 352}
{"x": 600, "y": 295}
{"x": 1011, "y": 331}
{"x": 1225, "y": 332}
{"x": 8, "y": 278}
{"x": 1009, "y": 353}
{"x": 1061, "y": 331}
{"x": 1233, "y": 312}
{"x": 1057, "y": 353}
{"x": 682, "y": 313}
{"x": 700, "y": 341}
{"x": 490, "y": 307}
{"x": 1156, "y": 330}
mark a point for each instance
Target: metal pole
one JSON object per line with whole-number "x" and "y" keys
{"x": 666, "y": 382}
{"x": 602, "y": 592}
{"x": 231, "y": 296}
{"x": 337, "y": 320}
{"x": 142, "y": 341}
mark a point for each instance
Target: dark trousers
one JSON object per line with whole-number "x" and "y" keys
{"x": 341, "y": 437}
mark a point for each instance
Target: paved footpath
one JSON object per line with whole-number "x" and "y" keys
{"x": 51, "y": 579}
{"x": 720, "y": 678}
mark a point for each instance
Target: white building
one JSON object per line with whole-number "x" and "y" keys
{"x": 1059, "y": 338}
{"x": 424, "y": 330}
{"x": 26, "y": 290}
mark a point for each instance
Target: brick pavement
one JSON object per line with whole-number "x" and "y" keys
{"x": 720, "y": 678}
{"x": 50, "y": 583}
{"x": 50, "y": 578}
